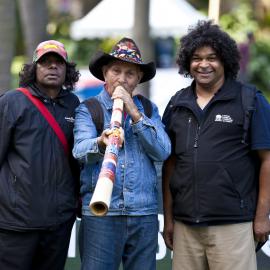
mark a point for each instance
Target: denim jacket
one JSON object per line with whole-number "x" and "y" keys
{"x": 135, "y": 186}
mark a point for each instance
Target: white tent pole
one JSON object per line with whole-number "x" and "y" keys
{"x": 213, "y": 10}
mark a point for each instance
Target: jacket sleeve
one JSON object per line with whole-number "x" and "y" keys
{"x": 152, "y": 136}
{"x": 6, "y": 127}
{"x": 85, "y": 148}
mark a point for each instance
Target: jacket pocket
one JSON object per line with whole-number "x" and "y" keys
{"x": 95, "y": 175}
{"x": 220, "y": 197}
{"x": 184, "y": 129}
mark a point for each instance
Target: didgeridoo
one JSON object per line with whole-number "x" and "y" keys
{"x": 101, "y": 198}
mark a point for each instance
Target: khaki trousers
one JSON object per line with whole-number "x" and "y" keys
{"x": 221, "y": 247}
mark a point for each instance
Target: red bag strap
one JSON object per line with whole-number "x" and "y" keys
{"x": 49, "y": 117}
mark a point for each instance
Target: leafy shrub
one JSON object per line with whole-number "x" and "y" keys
{"x": 259, "y": 68}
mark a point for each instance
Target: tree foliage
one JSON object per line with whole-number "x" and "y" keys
{"x": 238, "y": 23}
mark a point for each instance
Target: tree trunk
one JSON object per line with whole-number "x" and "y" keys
{"x": 141, "y": 34}
{"x": 261, "y": 9}
{"x": 228, "y": 6}
{"x": 7, "y": 42}
{"x": 34, "y": 16}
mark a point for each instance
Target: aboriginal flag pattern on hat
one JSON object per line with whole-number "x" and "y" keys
{"x": 124, "y": 50}
{"x": 50, "y": 46}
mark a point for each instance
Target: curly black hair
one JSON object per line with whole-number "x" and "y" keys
{"x": 27, "y": 75}
{"x": 205, "y": 33}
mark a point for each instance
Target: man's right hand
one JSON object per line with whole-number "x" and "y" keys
{"x": 168, "y": 234}
{"x": 103, "y": 140}
{"x": 167, "y": 170}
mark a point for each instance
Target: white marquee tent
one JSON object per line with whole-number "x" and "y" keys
{"x": 113, "y": 18}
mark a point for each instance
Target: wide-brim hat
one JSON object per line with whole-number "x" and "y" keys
{"x": 50, "y": 46}
{"x": 125, "y": 50}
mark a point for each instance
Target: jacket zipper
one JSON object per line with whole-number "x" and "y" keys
{"x": 15, "y": 190}
{"x": 195, "y": 173}
{"x": 53, "y": 112}
{"x": 188, "y": 132}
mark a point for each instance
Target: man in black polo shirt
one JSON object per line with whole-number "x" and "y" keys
{"x": 214, "y": 202}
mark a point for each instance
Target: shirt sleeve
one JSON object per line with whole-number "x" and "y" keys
{"x": 166, "y": 119}
{"x": 260, "y": 124}
{"x": 152, "y": 136}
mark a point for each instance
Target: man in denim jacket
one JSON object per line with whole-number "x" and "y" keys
{"x": 129, "y": 231}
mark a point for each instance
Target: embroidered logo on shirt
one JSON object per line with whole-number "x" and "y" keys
{"x": 70, "y": 119}
{"x": 223, "y": 118}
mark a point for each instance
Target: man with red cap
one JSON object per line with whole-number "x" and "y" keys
{"x": 129, "y": 231}
{"x": 38, "y": 189}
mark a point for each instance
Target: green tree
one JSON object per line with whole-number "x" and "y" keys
{"x": 7, "y": 44}
{"x": 34, "y": 21}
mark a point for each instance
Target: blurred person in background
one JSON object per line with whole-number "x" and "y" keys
{"x": 245, "y": 57}
{"x": 38, "y": 175}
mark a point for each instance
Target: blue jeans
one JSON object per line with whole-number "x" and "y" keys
{"x": 106, "y": 241}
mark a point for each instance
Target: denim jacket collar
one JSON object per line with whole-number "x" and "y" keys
{"x": 106, "y": 99}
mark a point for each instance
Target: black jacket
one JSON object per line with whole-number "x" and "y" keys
{"x": 214, "y": 179}
{"x": 37, "y": 180}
